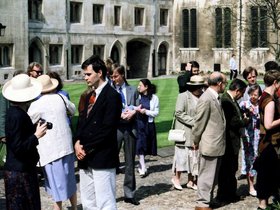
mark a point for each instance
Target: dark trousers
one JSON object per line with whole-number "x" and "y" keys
{"x": 227, "y": 183}
{"x": 233, "y": 73}
{"x": 268, "y": 168}
{"x": 128, "y": 139}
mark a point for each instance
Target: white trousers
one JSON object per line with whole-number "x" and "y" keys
{"x": 98, "y": 189}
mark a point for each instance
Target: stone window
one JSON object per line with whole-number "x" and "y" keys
{"x": 117, "y": 15}
{"x": 99, "y": 50}
{"x": 97, "y": 13}
{"x": 138, "y": 16}
{"x": 6, "y": 51}
{"x": 55, "y": 52}
{"x": 75, "y": 12}
{"x": 223, "y": 27}
{"x": 189, "y": 28}
{"x": 163, "y": 17}
{"x": 258, "y": 27}
{"x": 76, "y": 54}
{"x": 35, "y": 10}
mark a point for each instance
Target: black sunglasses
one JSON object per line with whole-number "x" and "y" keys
{"x": 38, "y": 72}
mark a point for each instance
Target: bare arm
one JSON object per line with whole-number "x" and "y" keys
{"x": 269, "y": 122}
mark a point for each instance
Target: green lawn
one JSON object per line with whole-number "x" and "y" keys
{"x": 167, "y": 91}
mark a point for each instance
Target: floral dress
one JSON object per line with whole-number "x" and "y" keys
{"x": 250, "y": 136}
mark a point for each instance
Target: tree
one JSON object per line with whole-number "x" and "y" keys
{"x": 273, "y": 16}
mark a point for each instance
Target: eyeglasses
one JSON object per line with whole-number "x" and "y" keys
{"x": 38, "y": 72}
{"x": 87, "y": 74}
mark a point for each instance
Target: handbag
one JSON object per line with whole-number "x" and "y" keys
{"x": 3, "y": 153}
{"x": 177, "y": 135}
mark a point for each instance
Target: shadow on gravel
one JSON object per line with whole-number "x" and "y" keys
{"x": 243, "y": 190}
{"x": 159, "y": 168}
{"x": 147, "y": 191}
{"x": 157, "y": 189}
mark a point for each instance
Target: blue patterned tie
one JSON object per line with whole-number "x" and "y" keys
{"x": 122, "y": 96}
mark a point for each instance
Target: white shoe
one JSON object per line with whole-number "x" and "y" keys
{"x": 176, "y": 186}
{"x": 142, "y": 173}
{"x": 191, "y": 186}
{"x": 253, "y": 193}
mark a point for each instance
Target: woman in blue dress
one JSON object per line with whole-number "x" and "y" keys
{"x": 146, "y": 129}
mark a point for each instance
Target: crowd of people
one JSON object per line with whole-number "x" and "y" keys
{"x": 37, "y": 129}
{"x": 218, "y": 123}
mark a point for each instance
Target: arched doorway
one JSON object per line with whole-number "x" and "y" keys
{"x": 138, "y": 55}
{"x": 115, "y": 55}
{"x": 162, "y": 59}
{"x": 35, "y": 53}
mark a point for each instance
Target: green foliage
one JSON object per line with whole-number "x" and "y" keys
{"x": 276, "y": 206}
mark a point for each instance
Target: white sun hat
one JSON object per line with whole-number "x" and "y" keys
{"x": 48, "y": 84}
{"x": 22, "y": 88}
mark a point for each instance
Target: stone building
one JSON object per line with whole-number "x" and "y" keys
{"x": 211, "y": 31}
{"x": 149, "y": 37}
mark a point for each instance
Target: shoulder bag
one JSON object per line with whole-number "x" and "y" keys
{"x": 176, "y": 135}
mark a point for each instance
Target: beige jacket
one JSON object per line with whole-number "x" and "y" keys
{"x": 209, "y": 127}
{"x": 184, "y": 113}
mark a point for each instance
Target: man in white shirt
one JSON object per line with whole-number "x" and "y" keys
{"x": 233, "y": 67}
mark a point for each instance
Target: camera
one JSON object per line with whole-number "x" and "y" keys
{"x": 246, "y": 111}
{"x": 49, "y": 124}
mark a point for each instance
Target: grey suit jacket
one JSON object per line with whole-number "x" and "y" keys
{"x": 209, "y": 127}
{"x": 132, "y": 99}
{"x": 184, "y": 113}
{"x": 131, "y": 96}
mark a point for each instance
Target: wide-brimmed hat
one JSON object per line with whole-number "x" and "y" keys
{"x": 22, "y": 88}
{"x": 196, "y": 80}
{"x": 48, "y": 84}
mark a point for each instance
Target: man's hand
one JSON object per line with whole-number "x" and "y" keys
{"x": 128, "y": 114}
{"x": 79, "y": 151}
{"x": 188, "y": 67}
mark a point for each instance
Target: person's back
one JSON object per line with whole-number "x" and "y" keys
{"x": 192, "y": 68}
{"x": 52, "y": 109}
{"x": 182, "y": 81}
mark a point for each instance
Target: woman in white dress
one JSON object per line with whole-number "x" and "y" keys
{"x": 185, "y": 157}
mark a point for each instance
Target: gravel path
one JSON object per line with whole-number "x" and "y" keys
{"x": 155, "y": 192}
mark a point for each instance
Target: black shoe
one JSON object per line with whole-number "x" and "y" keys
{"x": 132, "y": 201}
{"x": 215, "y": 204}
{"x": 235, "y": 199}
{"x": 242, "y": 176}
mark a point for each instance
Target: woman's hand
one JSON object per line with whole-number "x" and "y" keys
{"x": 41, "y": 130}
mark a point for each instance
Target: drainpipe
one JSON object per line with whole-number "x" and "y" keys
{"x": 155, "y": 55}
{"x": 240, "y": 34}
{"x": 68, "y": 44}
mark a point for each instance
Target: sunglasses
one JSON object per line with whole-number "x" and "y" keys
{"x": 38, "y": 72}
